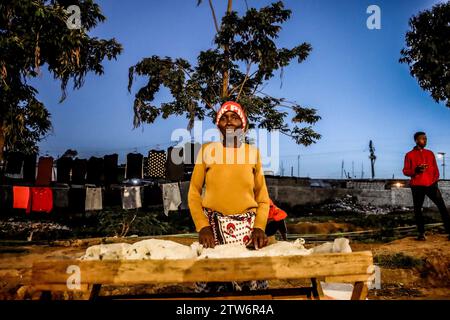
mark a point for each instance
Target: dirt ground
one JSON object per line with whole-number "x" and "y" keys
{"x": 321, "y": 228}
{"x": 428, "y": 279}
{"x": 409, "y": 269}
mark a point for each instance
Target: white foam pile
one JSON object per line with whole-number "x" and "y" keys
{"x": 164, "y": 249}
{"x": 142, "y": 250}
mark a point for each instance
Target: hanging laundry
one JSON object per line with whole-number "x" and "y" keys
{"x": 21, "y": 197}
{"x": 79, "y": 170}
{"x": 63, "y": 169}
{"x": 174, "y": 164}
{"x": 29, "y": 168}
{"x": 152, "y": 195}
{"x": 121, "y": 172}
{"x": 61, "y": 197}
{"x": 190, "y": 154}
{"x": 157, "y": 164}
{"x": 171, "y": 197}
{"x": 184, "y": 190}
{"x": 14, "y": 165}
{"x": 146, "y": 167}
{"x": 77, "y": 199}
{"x": 6, "y": 199}
{"x": 113, "y": 196}
{"x": 41, "y": 199}
{"x": 110, "y": 165}
{"x": 131, "y": 198}
{"x": 133, "y": 169}
{"x": 95, "y": 171}
{"x": 44, "y": 174}
{"x": 93, "y": 199}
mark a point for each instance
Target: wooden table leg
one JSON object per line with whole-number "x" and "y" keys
{"x": 95, "y": 291}
{"x": 317, "y": 291}
{"x": 91, "y": 292}
{"x": 360, "y": 291}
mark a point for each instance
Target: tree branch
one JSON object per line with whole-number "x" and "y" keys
{"x": 226, "y": 49}
{"x": 214, "y": 15}
{"x": 249, "y": 65}
{"x": 230, "y": 4}
{"x": 234, "y": 88}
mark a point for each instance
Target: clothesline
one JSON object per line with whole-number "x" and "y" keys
{"x": 172, "y": 196}
{"x": 96, "y": 170}
{"x": 100, "y": 150}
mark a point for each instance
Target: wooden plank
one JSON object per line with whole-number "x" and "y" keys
{"x": 58, "y": 287}
{"x": 86, "y": 290}
{"x": 295, "y": 293}
{"x": 350, "y": 278}
{"x": 178, "y": 271}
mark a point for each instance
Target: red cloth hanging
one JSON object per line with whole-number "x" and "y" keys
{"x": 41, "y": 199}
{"x": 21, "y": 197}
{"x": 44, "y": 171}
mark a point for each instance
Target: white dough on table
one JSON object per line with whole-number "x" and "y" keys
{"x": 113, "y": 251}
{"x": 159, "y": 250}
{"x": 163, "y": 249}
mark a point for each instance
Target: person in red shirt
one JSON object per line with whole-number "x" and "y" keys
{"x": 421, "y": 166}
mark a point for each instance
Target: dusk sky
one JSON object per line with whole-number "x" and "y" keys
{"x": 352, "y": 77}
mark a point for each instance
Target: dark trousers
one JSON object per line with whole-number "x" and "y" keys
{"x": 273, "y": 226}
{"x": 432, "y": 192}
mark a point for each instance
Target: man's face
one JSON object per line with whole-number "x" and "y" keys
{"x": 421, "y": 141}
{"x": 229, "y": 121}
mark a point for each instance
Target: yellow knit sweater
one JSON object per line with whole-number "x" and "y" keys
{"x": 234, "y": 183}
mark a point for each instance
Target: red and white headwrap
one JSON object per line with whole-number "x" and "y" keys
{"x": 234, "y": 107}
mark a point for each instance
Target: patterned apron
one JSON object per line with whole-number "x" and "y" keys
{"x": 227, "y": 229}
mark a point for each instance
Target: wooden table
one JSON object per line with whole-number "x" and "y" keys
{"x": 356, "y": 268}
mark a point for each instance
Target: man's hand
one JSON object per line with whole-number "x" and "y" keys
{"x": 206, "y": 237}
{"x": 259, "y": 238}
{"x": 420, "y": 168}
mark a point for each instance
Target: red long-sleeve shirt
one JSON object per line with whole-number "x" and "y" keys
{"x": 41, "y": 200}
{"x": 417, "y": 157}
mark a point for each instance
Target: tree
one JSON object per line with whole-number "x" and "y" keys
{"x": 243, "y": 59}
{"x": 427, "y": 51}
{"x": 34, "y": 34}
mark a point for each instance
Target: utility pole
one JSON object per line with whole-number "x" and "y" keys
{"x": 443, "y": 165}
{"x": 282, "y": 169}
{"x": 353, "y": 169}
{"x": 342, "y": 170}
{"x": 372, "y": 158}
{"x": 298, "y": 166}
{"x": 362, "y": 170}
{"x": 442, "y": 155}
{"x": 292, "y": 171}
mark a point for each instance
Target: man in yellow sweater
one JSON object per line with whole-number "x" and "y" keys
{"x": 232, "y": 173}
{"x": 235, "y": 205}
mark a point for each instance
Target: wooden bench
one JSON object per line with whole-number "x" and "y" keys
{"x": 355, "y": 268}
